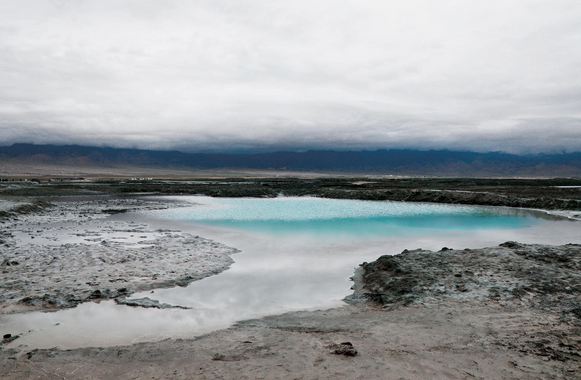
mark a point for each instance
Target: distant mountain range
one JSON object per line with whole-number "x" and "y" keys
{"x": 394, "y": 161}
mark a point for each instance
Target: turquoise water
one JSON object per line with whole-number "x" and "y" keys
{"x": 319, "y": 216}
{"x": 295, "y": 254}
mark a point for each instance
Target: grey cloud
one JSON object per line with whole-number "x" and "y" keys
{"x": 261, "y": 76}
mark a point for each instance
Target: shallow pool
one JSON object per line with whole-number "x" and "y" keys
{"x": 353, "y": 218}
{"x": 297, "y": 253}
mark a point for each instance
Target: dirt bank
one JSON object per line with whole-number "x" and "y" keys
{"x": 505, "y": 312}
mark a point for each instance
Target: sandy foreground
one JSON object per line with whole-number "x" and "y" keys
{"x": 508, "y": 312}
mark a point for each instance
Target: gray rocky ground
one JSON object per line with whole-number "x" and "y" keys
{"x": 520, "y": 277}
{"x": 547, "y": 194}
{"x": 71, "y": 252}
{"x": 507, "y": 312}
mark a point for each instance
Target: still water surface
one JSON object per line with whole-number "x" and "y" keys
{"x": 297, "y": 254}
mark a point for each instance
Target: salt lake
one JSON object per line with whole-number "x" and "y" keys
{"x": 296, "y": 254}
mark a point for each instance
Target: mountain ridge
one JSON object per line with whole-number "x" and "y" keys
{"x": 392, "y": 161}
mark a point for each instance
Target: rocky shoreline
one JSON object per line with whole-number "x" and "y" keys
{"x": 528, "y": 275}
{"x": 60, "y": 256}
{"x": 546, "y": 194}
{"x": 506, "y": 312}
{"x": 512, "y": 275}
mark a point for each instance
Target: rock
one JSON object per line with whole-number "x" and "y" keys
{"x": 8, "y": 262}
{"x": 147, "y": 303}
{"x": 115, "y": 211}
{"x": 576, "y": 312}
{"x": 511, "y": 244}
{"x": 345, "y": 348}
{"x": 510, "y": 273}
{"x": 228, "y": 358}
{"x": 53, "y": 301}
{"x": 8, "y": 338}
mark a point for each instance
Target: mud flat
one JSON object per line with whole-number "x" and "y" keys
{"x": 506, "y": 312}
{"x": 73, "y": 251}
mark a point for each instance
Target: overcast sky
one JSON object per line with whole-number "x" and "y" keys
{"x": 244, "y": 75}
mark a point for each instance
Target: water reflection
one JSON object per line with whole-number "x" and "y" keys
{"x": 293, "y": 265}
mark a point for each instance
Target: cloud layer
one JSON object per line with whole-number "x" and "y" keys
{"x": 263, "y": 75}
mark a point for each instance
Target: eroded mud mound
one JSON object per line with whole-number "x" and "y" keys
{"x": 547, "y": 277}
{"x": 540, "y": 280}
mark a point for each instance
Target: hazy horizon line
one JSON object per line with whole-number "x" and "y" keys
{"x": 275, "y": 149}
